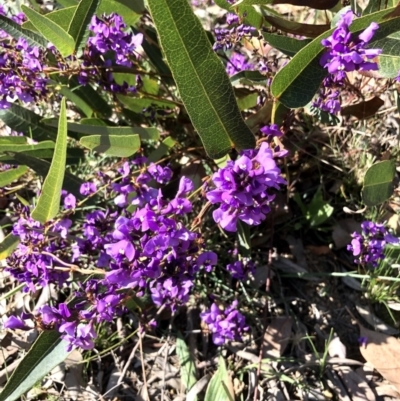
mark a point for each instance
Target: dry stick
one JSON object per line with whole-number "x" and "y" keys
{"x": 266, "y": 310}
{"x": 125, "y": 369}
{"x": 143, "y": 368}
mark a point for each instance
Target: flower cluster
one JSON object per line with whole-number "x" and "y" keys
{"x": 226, "y": 38}
{"x": 225, "y": 325}
{"x": 237, "y": 62}
{"x": 345, "y": 53}
{"x": 241, "y": 269}
{"x": 21, "y": 70}
{"x": 37, "y": 257}
{"x": 368, "y": 247}
{"x": 109, "y": 38}
{"x": 243, "y": 188}
{"x": 147, "y": 251}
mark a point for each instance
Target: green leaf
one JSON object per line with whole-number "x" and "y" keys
{"x": 7, "y": 177}
{"x": 112, "y": 145}
{"x": 284, "y": 44}
{"x": 7, "y": 246}
{"x": 378, "y": 183}
{"x": 318, "y": 211}
{"x": 137, "y": 104}
{"x": 247, "y": 102}
{"x": 25, "y": 147}
{"x": 322, "y": 116}
{"x": 67, "y": 3}
{"x": 47, "y": 352}
{"x": 78, "y": 28}
{"x": 220, "y": 387}
{"x": 17, "y": 32}
{"x": 13, "y": 140}
{"x": 200, "y": 77}
{"x": 71, "y": 183}
{"x": 376, "y": 5}
{"x": 77, "y": 100}
{"x": 296, "y": 83}
{"x": 103, "y": 129}
{"x": 389, "y": 59}
{"x": 163, "y": 148}
{"x": 297, "y": 28}
{"x": 48, "y": 203}
{"x": 51, "y": 31}
{"x": 248, "y": 12}
{"x": 20, "y": 119}
{"x": 62, "y": 18}
{"x": 152, "y": 49}
{"x": 188, "y": 367}
{"x": 97, "y": 102}
{"x": 74, "y": 156}
{"x": 126, "y": 9}
{"x": 251, "y": 77}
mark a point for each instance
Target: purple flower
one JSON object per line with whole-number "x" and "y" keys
{"x": 232, "y": 19}
{"x": 368, "y": 247}
{"x": 345, "y": 53}
{"x": 208, "y": 260}
{"x": 241, "y": 269}
{"x": 271, "y": 130}
{"x": 120, "y": 250}
{"x": 243, "y": 188}
{"x": 237, "y": 62}
{"x": 87, "y": 188}
{"x": 161, "y": 174}
{"x": 225, "y": 325}
{"x": 14, "y": 322}
{"x": 226, "y": 38}
{"x": 70, "y": 202}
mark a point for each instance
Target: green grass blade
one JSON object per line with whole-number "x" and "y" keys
{"x": 200, "y": 77}
{"x": 49, "y": 201}
{"x": 296, "y": 83}
{"x": 220, "y": 387}
{"x": 46, "y": 353}
{"x": 188, "y": 367}
{"x": 63, "y": 41}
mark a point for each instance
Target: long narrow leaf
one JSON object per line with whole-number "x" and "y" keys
{"x": 71, "y": 182}
{"x": 49, "y": 201}
{"x": 62, "y": 18}
{"x": 25, "y": 147}
{"x": 7, "y": 177}
{"x": 63, "y": 41}
{"x": 46, "y": 353}
{"x": 220, "y": 387}
{"x": 17, "y": 32}
{"x": 20, "y": 119}
{"x": 8, "y": 245}
{"x": 112, "y": 145}
{"x": 81, "y": 19}
{"x": 200, "y": 77}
